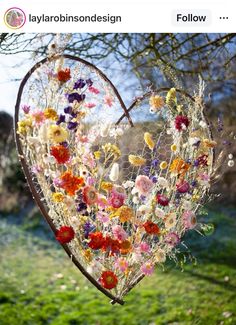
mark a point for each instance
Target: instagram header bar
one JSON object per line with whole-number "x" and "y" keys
{"x": 123, "y": 17}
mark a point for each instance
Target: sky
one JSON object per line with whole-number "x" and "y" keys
{"x": 12, "y": 67}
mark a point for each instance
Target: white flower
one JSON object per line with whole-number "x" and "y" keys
{"x": 128, "y": 184}
{"x": 194, "y": 141}
{"x": 134, "y": 191}
{"x": 105, "y": 130}
{"x": 114, "y": 173}
{"x": 43, "y": 133}
{"x": 203, "y": 124}
{"x": 186, "y": 205}
{"x": 160, "y": 256}
{"x": 170, "y": 221}
{"x": 49, "y": 159}
{"x": 118, "y": 132}
{"x": 143, "y": 209}
{"x": 135, "y": 200}
{"x": 33, "y": 140}
{"x": 162, "y": 182}
{"x": 159, "y": 213}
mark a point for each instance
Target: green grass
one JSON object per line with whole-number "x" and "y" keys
{"x": 39, "y": 285}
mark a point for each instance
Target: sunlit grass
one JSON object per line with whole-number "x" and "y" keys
{"x": 39, "y": 285}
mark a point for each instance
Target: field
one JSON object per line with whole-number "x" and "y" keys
{"x": 39, "y": 285}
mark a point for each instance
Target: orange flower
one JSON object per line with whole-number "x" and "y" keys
{"x": 71, "y": 183}
{"x": 179, "y": 166}
{"x": 63, "y": 75}
{"x": 151, "y": 228}
{"x": 108, "y": 280}
{"x": 125, "y": 246}
{"x": 60, "y": 153}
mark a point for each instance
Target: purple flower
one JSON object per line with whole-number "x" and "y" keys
{"x": 72, "y": 125}
{"x": 26, "y": 109}
{"x": 196, "y": 163}
{"x": 79, "y": 84}
{"x": 88, "y": 227}
{"x": 61, "y": 119}
{"x": 65, "y": 144}
{"x": 155, "y": 163}
{"x": 68, "y": 110}
{"x": 81, "y": 207}
{"x": 75, "y": 97}
{"x": 89, "y": 82}
{"x": 146, "y": 170}
{"x": 154, "y": 179}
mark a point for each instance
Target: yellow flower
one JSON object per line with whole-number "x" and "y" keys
{"x": 163, "y": 165}
{"x": 57, "y": 197}
{"x": 111, "y": 149}
{"x": 97, "y": 154}
{"x": 173, "y": 147}
{"x": 137, "y": 160}
{"x": 209, "y": 143}
{"x": 171, "y": 97}
{"x": 156, "y": 102}
{"x": 106, "y": 186}
{"x": 50, "y": 113}
{"x": 88, "y": 255}
{"x": 125, "y": 213}
{"x": 148, "y": 140}
{"x": 57, "y": 133}
{"x": 24, "y": 126}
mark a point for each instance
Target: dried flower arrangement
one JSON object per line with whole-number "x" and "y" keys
{"x": 119, "y": 186}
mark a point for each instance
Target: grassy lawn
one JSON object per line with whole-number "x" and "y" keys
{"x": 39, "y": 285}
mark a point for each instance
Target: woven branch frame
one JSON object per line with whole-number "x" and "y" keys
{"x": 38, "y": 197}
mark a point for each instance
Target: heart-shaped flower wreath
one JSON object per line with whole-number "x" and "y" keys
{"x": 118, "y": 186}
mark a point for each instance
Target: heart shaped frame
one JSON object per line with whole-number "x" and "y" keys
{"x": 38, "y": 197}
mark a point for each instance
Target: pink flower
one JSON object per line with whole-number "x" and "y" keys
{"x": 181, "y": 122}
{"x": 103, "y": 217}
{"x": 182, "y": 187}
{"x": 147, "y": 268}
{"x": 38, "y": 117}
{"x": 57, "y": 181}
{"x": 91, "y": 180}
{"x": 90, "y": 105}
{"x": 121, "y": 264}
{"x": 144, "y": 247}
{"x": 143, "y": 184}
{"x": 90, "y": 195}
{"x": 108, "y": 100}
{"x": 89, "y": 160}
{"x": 189, "y": 220}
{"x": 116, "y": 199}
{"x": 119, "y": 233}
{"x": 172, "y": 239}
{"x": 93, "y": 90}
{"x": 162, "y": 200}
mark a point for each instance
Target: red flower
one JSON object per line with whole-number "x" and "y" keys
{"x": 151, "y": 228}
{"x": 162, "y": 200}
{"x": 71, "y": 183}
{"x": 60, "y": 153}
{"x": 90, "y": 195}
{"x": 181, "y": 122}
{"x": 202, "y": 160}
{"x": 96, "y": 240}
{"x": 111, "y": 245}
{"x": 182, "y": 187}
{"x": 108, "y": 280}
{"x": 63, "y": 75}
{"x": 65, "y": 234}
